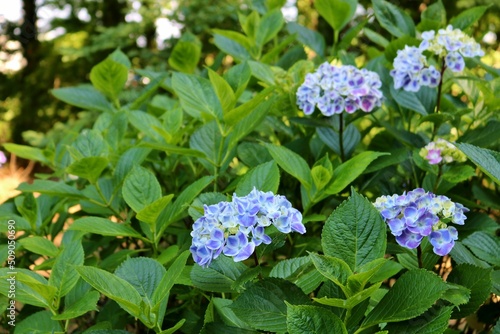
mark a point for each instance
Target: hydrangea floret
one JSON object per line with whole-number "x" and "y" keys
{"x": 3, "y": 158}
{"x": 452, "y": 45}
{"x": 335, "y": 89}
{"x": 235, "y": 228}
{"x": 418, "y": 214}
{"x": 411, "y": 70}
{"x": 441, "y": 151}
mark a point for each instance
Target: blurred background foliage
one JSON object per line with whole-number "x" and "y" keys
{"x": 55, "y": 43}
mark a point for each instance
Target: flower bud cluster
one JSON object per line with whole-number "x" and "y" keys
{"x": 441, "y": 151}
{"x": 418, "y": 214}
{"x": 411, "y": 70}
{"x": 3, "y": 158}
{"x": 235, "y": 228}
{"x": 334, "y": 89}
{"x": 453, "y": 45}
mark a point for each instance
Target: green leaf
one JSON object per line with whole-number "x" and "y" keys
{"x": 173, "y": 149}
{"x": 28, "y": 207}
{"x": 238, "y": 114}
{"x": 39, "y": 245}
{"x": 197, "y": 96}
{"x": 219, "y": 276}
{"x": 462, "y": 255}
{"x": 140, "y": 188}
{"x": 460, "y": 173}
{"x": 131, "y": 157}
{"x": 487, "y": 160}
{"x": 63, "y": 275}
{"x": 185, "y": 54}
{"x": 306, "y": 36}
{"x": 238, "y": 77}
{"x": 89, "y": 168}
{"x": 31, "y": 288}
{"x": 335, "y": 269}
{"x": 330, "y": 137}
{"x": 52, "y": 188}
{"x": 223, "y": 90}
{"x": 477, "y": 280}
{"x": 174, "y": 328}
{"x": 89, "y": 143}
{"x": 39, "y": 322}
{"x": 352, "y": 301}
{"x": 177, "y": 210}
{"x": 412, "y": 294}
{"x": 393, "y": 19}
{"x": 84, "y": 96}
{"x": 484, "y": 246}
{"x": 304, "y": 319}
{"x": 86, "y": 304}
{"x": 149, "y": 214}
{"x": 468, "y": 17}
{"x": 109, "y": 77}
{"x": 348, "y": 171}
{"x": 270, "y": 25}
{"x": 433, "y": 17}
{"x": 336, "y": 12}
{"x": 292, "y": 163}
{"x": 103, "y": 226}
{"x": 423, "y": 102}
{"x": 264, "y": 177}
{"x": 26, "y": 152}
{"x": 355, "y": 232}
{"x": 456, "y": 294}
{"x": 208, "y": 139}
{"x": 113, "y": 287}
{"x": 121, "y": 58}
{"x": 231, "y": 47}
{"x": 482, "y": 136}
{"x": 223, "y": 308}
{"x": 262, "y": 305}
{"x": 167, "y": 282}
{"x": 435, "y": 320}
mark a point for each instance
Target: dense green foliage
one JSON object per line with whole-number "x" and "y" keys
{"x": 103, "y": 234}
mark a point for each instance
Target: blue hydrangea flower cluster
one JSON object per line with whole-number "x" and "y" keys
{"x": 334, "y": 89}
{"x": 235, "y": 228}
{"x": 418, "y": 214}
{"x": 411, "y": 70}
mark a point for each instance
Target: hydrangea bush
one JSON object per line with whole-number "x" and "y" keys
{"x": 169, "y": 207}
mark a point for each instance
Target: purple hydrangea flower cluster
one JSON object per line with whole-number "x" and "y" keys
{"x": 411, "y": 70}
{"x": 441, "y": 151}
{"x": 418, "y": 214}
{"x": 334, "y": 89}
{"x": 235, "y": 228}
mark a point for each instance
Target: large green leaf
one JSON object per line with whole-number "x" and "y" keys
{"x": 26, "y": 152}
{"x": 140, "y": 188}
{"x": 265, "y": 177}
{"x": 292, "y": 163}
{"x": 63, "y": 275}
{"x": 103, "y": 226}
{"x": 433, "y": 17}
{"x": 38, "y": 323}
{"x": 185, "y": 54}
{"x": 51, "y": 188}
{"x": 336, "y": 12}
{"x": 39, "y": 245}
{"x": 393, "y": 19}
{"x": 89, "y": 168}
{"x": 305, "y": 319}
{"x": 223, "y": 90}
{"x": 231, "y": 47}
{"x": 468, "y": 17}
{"x": 335, "y": 269}
{"x": 167, "y": 281}
{"x": 355, "y": 232}
{"x": 113, "y": 287}
{"x": 270, "y": 24}
{"x": 477, "y": 280}
{"x": 435, "y": 320}
{"x": 351, "y": 138}
{"x": 412, "y": 294}
{"x": 197, "y": 96}
{"x": 219, "y": 276}
{"x": 149, "y": 214}
{"x": 109, "y": 77}
{"x": 311, "y": 38}
{"x": 485, "y": 246}
{"x": 85, "y": 97}
{"x": 347, "y": 172}
{"x": 262, "y": 305}
{"x": 487, "y": 160}
{"x": 87, "y": 303}
{"x": 422, "y": 102}
{"x": 31, "y": 288}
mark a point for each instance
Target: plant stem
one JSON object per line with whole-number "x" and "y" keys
{"x": 438, "y": 178}
{"x": 438, "y": 102}
{"x": 341, "y": 136}
{"x": 419, "y": 256}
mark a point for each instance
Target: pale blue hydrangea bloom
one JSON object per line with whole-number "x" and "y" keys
{"x": 235, "y": 228}
{"x": 334, "y": 89}
{"x": 411, "y": 71}
{"x": 418, "y": 214}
